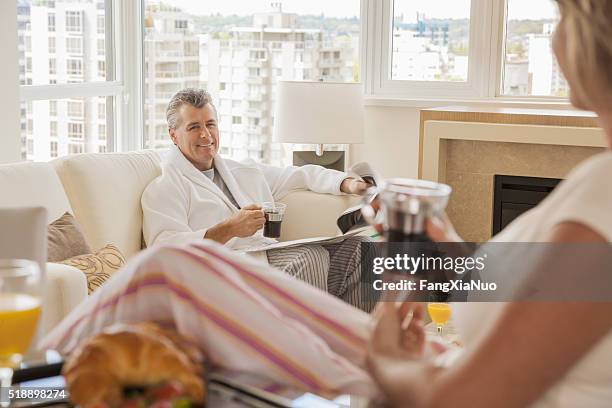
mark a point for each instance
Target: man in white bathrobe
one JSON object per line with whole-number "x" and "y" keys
{"x": 201, "y": 195}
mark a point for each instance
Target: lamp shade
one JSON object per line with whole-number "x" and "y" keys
{"x": 319, "y": 113}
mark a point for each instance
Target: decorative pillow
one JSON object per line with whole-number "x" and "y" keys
{"x": 65, "y": 239}
{"x": 98, "y": 267}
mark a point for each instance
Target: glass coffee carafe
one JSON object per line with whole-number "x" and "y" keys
{"x": 405, "y": 205}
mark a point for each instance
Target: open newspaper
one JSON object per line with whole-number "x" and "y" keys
{"x": 350, "y": 222}
{"x": 361, "y": 231}
{"x": 352, "y": 218}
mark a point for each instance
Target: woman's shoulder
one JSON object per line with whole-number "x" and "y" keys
{"x": 585, "y": 196}
{"x": 595, "y": 170}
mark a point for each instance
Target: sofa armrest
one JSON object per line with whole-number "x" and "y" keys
{"x": 311, "y": 214}
{"x": 66, "y": 287}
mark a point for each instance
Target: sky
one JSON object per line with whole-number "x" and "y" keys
{"x": 517, "y": 9}
{"x": 331, "y": 8}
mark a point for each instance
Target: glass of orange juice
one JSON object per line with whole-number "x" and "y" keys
{"x": 20, "y": 304}
{"x": 440, "y": 314}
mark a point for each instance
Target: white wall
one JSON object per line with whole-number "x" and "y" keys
{"x": 392, "y": 134}
{"x": 391, "y": 141}
{"x": 10, "y": 144}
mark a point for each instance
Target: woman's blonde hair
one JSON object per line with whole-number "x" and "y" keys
{"x": 588, "y": 45}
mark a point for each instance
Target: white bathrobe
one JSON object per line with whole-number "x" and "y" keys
{"x": 181, "y": 204}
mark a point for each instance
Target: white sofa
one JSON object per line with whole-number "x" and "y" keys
{"x": 103, "y": 192}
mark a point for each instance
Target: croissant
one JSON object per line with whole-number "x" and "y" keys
{"x": 138, "y": 355}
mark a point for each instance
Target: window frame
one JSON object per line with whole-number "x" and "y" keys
{"x": 113, "y": 88}
{"x": 486, "y": 59}
{"x": 124, "y": 85}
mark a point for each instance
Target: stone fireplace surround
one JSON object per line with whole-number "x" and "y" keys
{"x": 467, "y": 154}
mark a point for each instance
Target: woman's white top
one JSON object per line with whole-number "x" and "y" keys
{"x": 584, "y": 197}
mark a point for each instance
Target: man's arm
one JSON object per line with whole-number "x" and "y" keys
{"x": 221, "y": 233}
{"x": 165, "y": 214}
{"x": 243, "y": 224}
{"x": 283, "y": 180}
{"x": 353, "y": 186}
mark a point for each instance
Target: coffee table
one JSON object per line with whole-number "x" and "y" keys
{"x": 41, "y": 373}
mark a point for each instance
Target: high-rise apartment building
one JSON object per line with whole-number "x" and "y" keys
{"x": 242, "y": 70}
{"x": 172, "y": 63}
{"x": 422, "y": 52}
{"x": 544, "y": 71}
{"x": 62, "y": 42}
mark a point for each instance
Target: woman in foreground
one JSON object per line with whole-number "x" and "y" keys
{"x": 551, "y": 354}
{"x": 248, "y": 316}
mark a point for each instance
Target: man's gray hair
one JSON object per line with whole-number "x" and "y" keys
{"x": 197, "y": 98}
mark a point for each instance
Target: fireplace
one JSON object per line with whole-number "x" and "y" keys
{"x": 514, "y": 195}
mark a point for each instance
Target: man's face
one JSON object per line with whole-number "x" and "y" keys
{"x": 197, "y": 135}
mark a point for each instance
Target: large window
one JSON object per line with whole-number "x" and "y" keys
{"x": 430, "y": 40}
{"x": 64, "y": 77}
{"x": 49, "y": 126}
{"x": 460, "y": 49}
{"x": 238, "y": 50}
{"x": 73, "y": 51}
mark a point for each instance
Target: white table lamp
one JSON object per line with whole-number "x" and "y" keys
{"x": 319, "y": 113}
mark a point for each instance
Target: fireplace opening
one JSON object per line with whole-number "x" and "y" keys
{"x": 514, "y": 195}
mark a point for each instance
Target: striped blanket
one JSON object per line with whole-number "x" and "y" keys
{"x": 243, "y": 314}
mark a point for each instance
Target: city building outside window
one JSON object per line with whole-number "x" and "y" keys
{"x": 74, "y": 67}
{"x": 51, "y": 22}
{"x": 74, "y": 45}
{"x": 238, "y": 51}
{"x": 450, "y": 49}
{"x": 53, "y": 149}
{"x": 65, "y": 89}
{"x": 52, "y": 66}
{"x": 53, "y": 132}
{"x": 430, "y": 40}
{"x": 530, "y": 69}
{"x": 75, "y": 148}
{"x": 243, "y": 48}
{"x": 75, "y": 131}
{"x": 74, "y": 22}
{"x": 100, "y": 24}
{"x": 75, "y": 109}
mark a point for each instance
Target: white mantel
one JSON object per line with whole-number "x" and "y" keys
{"x": 466, "y": 149}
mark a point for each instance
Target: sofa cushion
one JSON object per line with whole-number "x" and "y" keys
{"x": 98, "y": 267}
{"x": 33, "y": 185}
{"x": 65, "y": 288}
{"x": 310, "y": 215}
{"x": 65, "y": 239}
{"x": 104, "y": 190}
